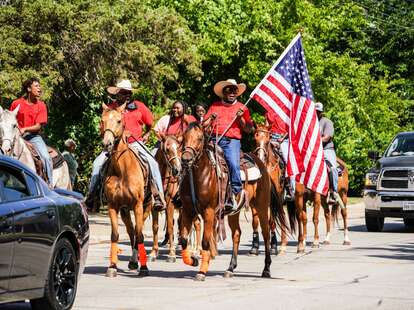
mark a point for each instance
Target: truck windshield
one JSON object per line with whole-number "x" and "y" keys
{"x": 401, "y": 146}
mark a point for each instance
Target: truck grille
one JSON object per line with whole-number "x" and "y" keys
{"x": 397, "y": 179}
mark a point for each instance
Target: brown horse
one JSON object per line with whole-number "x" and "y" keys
{"x": 168, "y": 157}
{"x": 272, "y": 161}
{"x": 264, "y": 151}
{"x": 331, "y": 215}
{"x": 199, "y": 192}
{"x": 124, "y": 187}
{"x": 302, "y": 195}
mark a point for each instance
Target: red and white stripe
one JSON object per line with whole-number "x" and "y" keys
{"x": 305, "y": 158}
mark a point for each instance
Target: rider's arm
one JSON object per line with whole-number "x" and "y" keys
{"x": 243, "y": 117}
{"x": 31, "y": 129}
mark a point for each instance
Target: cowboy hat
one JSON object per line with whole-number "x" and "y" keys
{"x": 218, "y": 88}
{"x": 123, "y": 84}
{"x": 319, "y": 106}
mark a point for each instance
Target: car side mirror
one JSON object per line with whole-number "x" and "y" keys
{"x": 374, "y": 155}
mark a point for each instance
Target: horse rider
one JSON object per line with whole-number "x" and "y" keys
{"x": 31, "y": 117}
{"x": 174, "y": 123}
{"x": 327, "y": 131}
{"x": 136, "y": 116}
{"x": 68, "y": 155}
{"x": 221, "y": 116}
{"x": 279, "y": 137}
{"x": 200, "y": 111}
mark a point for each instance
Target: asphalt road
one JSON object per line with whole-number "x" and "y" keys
{"x": 375, "y": 272}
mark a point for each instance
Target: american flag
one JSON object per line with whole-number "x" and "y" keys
{"x": 286, "y": 91}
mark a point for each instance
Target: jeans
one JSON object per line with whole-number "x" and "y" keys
{"x": 330, "y": 156}
{"x": 41, "y": 148}
{"x": 284, "y": 149}
{"x": 144, "y": 153}
{"x": 231, "y": 149}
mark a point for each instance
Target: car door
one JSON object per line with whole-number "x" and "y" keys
{"x": 6, "y": 244}
{"x": 35, "y": 229}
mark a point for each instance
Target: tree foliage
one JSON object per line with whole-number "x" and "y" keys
{"x": 359, "y": 54}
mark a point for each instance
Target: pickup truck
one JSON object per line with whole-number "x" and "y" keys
{"x": 389, "y": 185}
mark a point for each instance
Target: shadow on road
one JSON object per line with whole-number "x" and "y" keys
{"x": 396, "y": 251}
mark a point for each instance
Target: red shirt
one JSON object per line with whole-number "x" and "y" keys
{"x": 225, "y": 114}
{"x": 278, "y": 126}
{"x": 30, "y": 114}
{"x": 176, "y": 126}
{"x": 135, "y": 119}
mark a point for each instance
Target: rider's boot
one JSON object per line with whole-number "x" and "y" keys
{"x": 338, "y": 200}
{"x": 159, "y": 203}
{"x": 255, "y": 244}
{"x": 237, "y": 202}
{"x": 166, "y": 239}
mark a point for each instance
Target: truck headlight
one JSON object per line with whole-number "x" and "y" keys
{"x": 371, "y": 179}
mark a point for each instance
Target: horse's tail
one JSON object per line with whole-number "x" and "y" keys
{"x": 293, "y": 220}
{"x": 276, "y": 208}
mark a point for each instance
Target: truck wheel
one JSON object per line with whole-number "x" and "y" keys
{"x": 374, "y": 223}
{"x": 409, "y": 222}
{"x": 62, "y": 280}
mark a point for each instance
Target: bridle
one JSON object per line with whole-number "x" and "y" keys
{"x": 170, "y": 160}
{"x": 12, "y": 144}
{"x": 260, "y": 147}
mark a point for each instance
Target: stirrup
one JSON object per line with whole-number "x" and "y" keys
{"x": 338, "y": 200}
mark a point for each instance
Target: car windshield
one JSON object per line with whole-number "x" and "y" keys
{"x": 401, "y": 146}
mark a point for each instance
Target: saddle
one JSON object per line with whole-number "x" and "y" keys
{"x": 249, "y": 171}
{"x": 57, "y": 159}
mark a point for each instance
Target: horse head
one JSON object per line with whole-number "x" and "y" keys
{"x": 193, "y": 144}
{"x": 262, "y": 139}
{"x": 9, "y": 130}
{"x": 112, "y": 126}
{"x": 171, "y": 148}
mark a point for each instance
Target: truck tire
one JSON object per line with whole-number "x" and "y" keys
{"x": 61, "y": 283}
{"x": 409, "y": 222}
{"x": 374, "y": 223}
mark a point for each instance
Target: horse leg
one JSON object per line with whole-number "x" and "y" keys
{"x": 185, "y": 222}
{"x": 327, "y": 214}
{"x": 254, "y": 251}
{"x": 154, "y": 252}
{"x": 126, "y": 218}
{"x": 170, "y": 231}
{"x": 197, "y": 227}
{"x": 264, "y": 224}
{"x": 112, "y": 269}
{"x": 208, "y": 236}
{"x": 316, "y": 209}
{"x": 273, "y": 237}
{"x": 344, "y": 213}
{"x": 139, "y": 239}
{"x": 235, "y": 234}
{"x": 301, "y": 215}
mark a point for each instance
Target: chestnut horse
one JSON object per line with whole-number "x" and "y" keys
{"x": 272, "y": 161}
{"x": 168, "y": 157}
{"x": 124, "y": 187}
{"x": 264, "y": 151}
{"x": 199, "y": 193}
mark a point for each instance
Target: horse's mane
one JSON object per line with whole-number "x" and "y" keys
{"x": 194, "y": 125}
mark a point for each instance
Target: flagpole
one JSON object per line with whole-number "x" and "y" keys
{"x": 279, "y": 60}
{"x": 271, "y": 69}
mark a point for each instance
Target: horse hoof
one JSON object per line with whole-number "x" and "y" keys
{"x": 282, "y": 252}
{"x": 195, "y": 261}
{"x": 143, "y": 272}
{"x": 274, "y": 251}
{"x": 171, "y": 259}
{"x": 315, "y": 245}
{"x": 254, "y": 252}
{"x": 111, "y": 273}
{"x": 200, "y": 277}
{"x": 266, "y": 274}
{"x": 228, "y": 274}
{"x": 300, "y": 251}
{"x": 347, "y": 243}
{"x": 133, "y": 265}
{"x": 153, "y": 258}
{"x": 326, "y": 242}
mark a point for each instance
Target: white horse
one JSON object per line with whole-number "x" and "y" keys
{"x": 13, "y": 145}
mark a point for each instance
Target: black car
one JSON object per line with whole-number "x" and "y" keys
{"x": 44, "y": 237}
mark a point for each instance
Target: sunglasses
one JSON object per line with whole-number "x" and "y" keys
{"x": 231, "y": 90}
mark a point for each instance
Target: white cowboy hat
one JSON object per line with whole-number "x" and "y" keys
{"x": 319, "y": 106}
{"x": 218, "y": 88}
{"x": 123, "y": 84}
